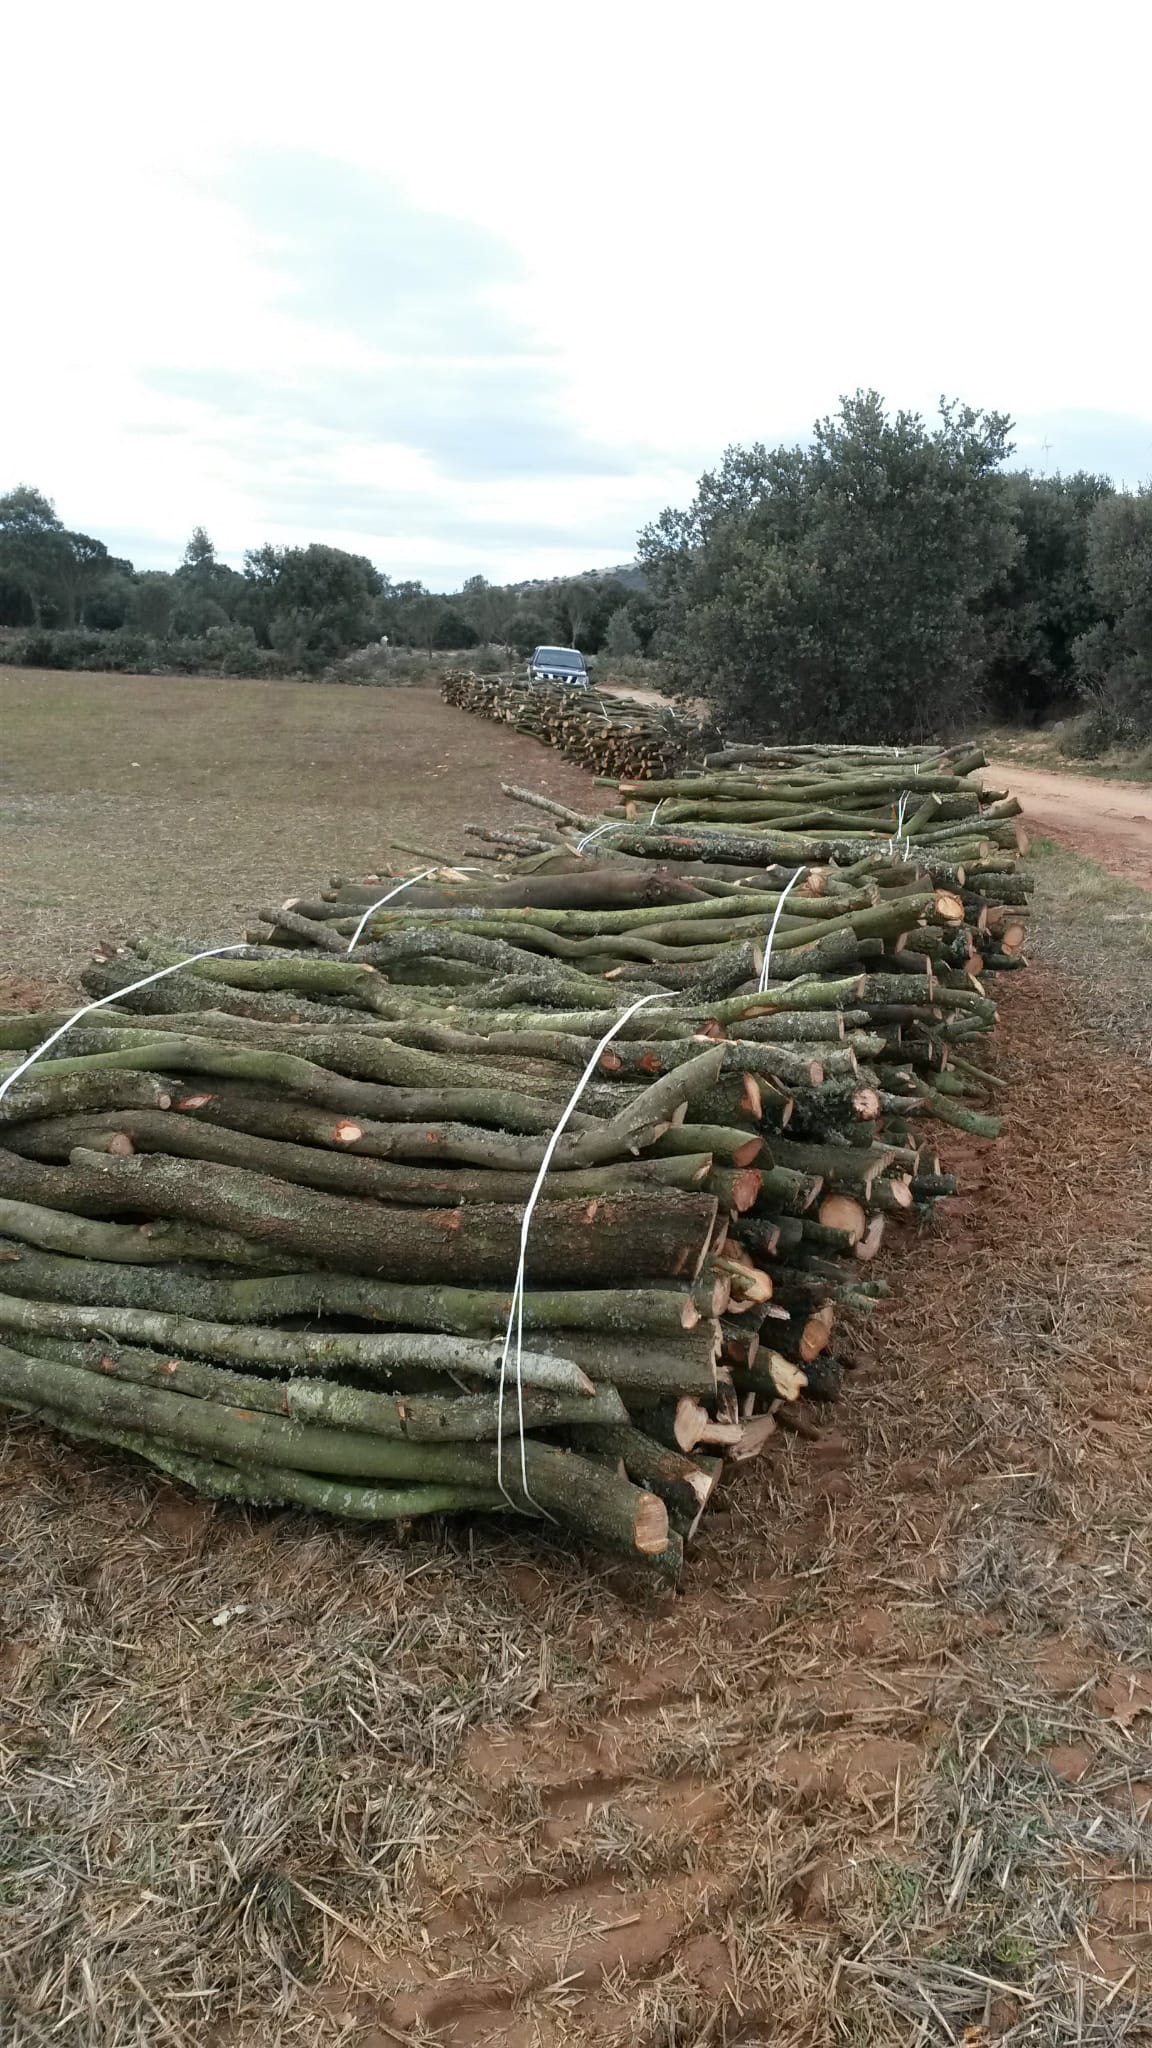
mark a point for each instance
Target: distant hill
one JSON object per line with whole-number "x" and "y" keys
{"x": 628, "y": 573}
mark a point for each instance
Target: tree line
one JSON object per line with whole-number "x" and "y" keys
{"x": 892, "y": 578}
{"x": 288, "y": 611}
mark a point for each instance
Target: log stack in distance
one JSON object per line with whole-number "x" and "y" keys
{"x": 610, "y": 734}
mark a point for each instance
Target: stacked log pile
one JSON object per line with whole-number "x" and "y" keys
{"x": 262, "y": 1217}
{"x": 609, "y": 734}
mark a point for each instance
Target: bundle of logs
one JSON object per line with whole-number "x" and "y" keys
{"x": 610, "y": 735}
{"x": 262, "y": 1216}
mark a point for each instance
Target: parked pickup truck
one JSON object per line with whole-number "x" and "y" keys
{"x": 559, "y": 665}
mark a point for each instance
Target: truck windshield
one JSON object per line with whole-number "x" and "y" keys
{"x": 559, "y": 657}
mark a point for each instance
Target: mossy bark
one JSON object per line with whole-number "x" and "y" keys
{"x": 586, "y": 1497}
{"x": 418, "y": 1416}
{"x": 292, "y": 1351}
{"x": 423, "y": 1184}
{"x": 47, "y": 1091}
{"x": 660, "y": 1235}
{"x": 201, "y": 1292}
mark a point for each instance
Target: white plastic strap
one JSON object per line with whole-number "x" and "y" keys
{"x": 515, "y": 1330}
{"x": 597, "y": 834}
{"x": 894, "y": 842}
{"x": 410, "y": 883}
{"x": 213, "y": 953}
{"x": 612, "y": 824}
{"x": 766, "y": 968}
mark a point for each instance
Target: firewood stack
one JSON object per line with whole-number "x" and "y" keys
{"x": 608, "y": 734}
{"x": 262, "y": 1218}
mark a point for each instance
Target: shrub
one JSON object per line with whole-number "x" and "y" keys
{"x": 1113, "y": 659}
{"x": 828, "y": 592}
{"x": 224, "y": 651}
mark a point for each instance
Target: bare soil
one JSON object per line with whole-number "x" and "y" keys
{"x": 1110, "y": 822}
{"x": 880, "y": 1774}
{"x": 178, "y": 805}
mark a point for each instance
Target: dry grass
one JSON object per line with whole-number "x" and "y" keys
{"x": 1096, "y": 929}
{"x": 175, "y": 805}
{"x": 1055, "y": 746}
{"x": 879, "y": 1776}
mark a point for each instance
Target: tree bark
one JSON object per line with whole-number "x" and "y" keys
{"x": 420, "y": 1417}
{"x": 45, "y": 1091}
{"x": 639, "y": 1236}
{"x": 269, "y": 1486}
{"x": 292, "y": 1351}
{"x": 684, "y": 1484}
{"x": 200, "y": 1292}
{"x": 420, "y": 1185}
{"x": 583, "y": 1495}
{"x": 139, "y": 1244}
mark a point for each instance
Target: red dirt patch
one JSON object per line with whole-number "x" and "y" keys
{"x": 1125, "y": 1696}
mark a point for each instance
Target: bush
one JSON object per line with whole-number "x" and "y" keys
{"x": 828, "y": 592}
{"x": 1088, "y": 735}
{"x": 1035, "y": 613}
{"x": 621, "y": 639}
{"x": 1113, "y": 659}
{"x": 224, "y": 651}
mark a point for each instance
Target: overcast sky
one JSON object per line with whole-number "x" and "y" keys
{"x": 484, "y": 287}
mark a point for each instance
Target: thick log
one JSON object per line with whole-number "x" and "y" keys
{"x": 645, "y": 1235}
{"x": 455, "y": 1311}
{"x": 420, "y": 1185}
{"x": 684, "y": 1365}
{"x": 684, "y": 1484}
{"x": 593, "y": 888}
{"x": 45, "y": 1091}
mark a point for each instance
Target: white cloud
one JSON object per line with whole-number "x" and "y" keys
{"x": 715, "y": 223}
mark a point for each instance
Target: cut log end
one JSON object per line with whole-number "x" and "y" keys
{"x": 744, "y": 1189}
{"x": 842, "y": 1212}
{"x": 754, "y": 1435}
{"x": 789, "y": 1380}
{"x": 746, "y": 1153}
{"x": 948, "y": 906}
{"x": 650, "y": 1528}
{"x": 691, "y": 1420}
{"x": 817, "y": 1332}
{"x": 868, "y": 1246}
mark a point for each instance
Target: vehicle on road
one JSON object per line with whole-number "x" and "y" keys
{"x": 559, "y": 665}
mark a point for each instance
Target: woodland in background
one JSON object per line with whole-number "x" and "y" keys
{"x": 893, "y": 579}
{"x": 290, "y": 611}
{"x": 890, "y": 579}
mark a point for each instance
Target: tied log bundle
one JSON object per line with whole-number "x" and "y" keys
{"x": 261, "y": 1219}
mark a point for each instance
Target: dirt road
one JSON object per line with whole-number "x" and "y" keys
{"x": 1109, "y": 821}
